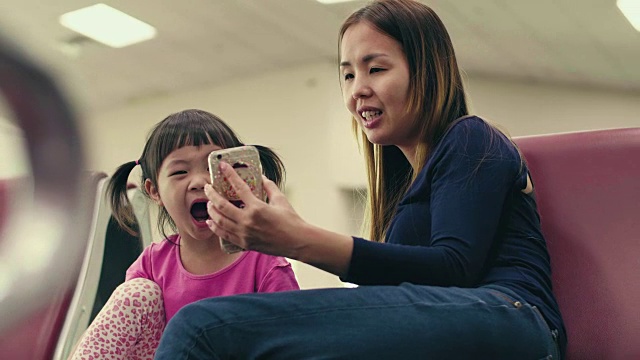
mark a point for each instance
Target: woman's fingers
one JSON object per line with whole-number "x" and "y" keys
{"x": 222, "y": 226}
{"x": 223, "y": 214}
{"x": 257, "y": 224}
{"x": 241, "y": 188}
{"x": 270, "y": 188}
{"x": 275, "y": 196}
{"x": 220, "y": 204}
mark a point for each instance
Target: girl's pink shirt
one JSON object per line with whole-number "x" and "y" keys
{"x": 253, "y": 272}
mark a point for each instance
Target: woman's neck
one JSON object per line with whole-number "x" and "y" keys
{"x": 410, "y": 153}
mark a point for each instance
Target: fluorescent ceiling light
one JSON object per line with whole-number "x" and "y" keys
{"x": 631, "y": 10}
{"x": 107, "y": 25}
{"x": 332, "y": 1}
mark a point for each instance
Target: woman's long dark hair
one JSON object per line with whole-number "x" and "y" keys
{"x": 436, "y": 97}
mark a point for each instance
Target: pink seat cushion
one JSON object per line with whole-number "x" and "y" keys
{"x": 588, "y": 190}
{"x": 35, "y": 337}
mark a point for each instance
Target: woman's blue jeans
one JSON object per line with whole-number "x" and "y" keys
{"x": 369, "y": 322}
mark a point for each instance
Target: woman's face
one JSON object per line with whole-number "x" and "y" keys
{"x": 375, "y": 86}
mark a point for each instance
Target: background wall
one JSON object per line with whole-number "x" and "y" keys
{"x": 299, "y": 113}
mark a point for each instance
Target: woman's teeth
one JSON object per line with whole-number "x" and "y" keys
{"x": 369, "y": 115}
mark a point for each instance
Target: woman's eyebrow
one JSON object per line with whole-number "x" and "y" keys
{"x": 365, "y": 59}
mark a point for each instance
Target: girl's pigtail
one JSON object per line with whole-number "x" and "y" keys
{"x": 272, "y": 166}
{"x": 117, "y": 193}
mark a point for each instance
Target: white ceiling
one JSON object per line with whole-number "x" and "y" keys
{"x": 203, "y": 42}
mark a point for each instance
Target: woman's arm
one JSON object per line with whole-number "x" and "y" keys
{"x": 471, "y": 174}
{"x": 275, "y": 228}
{"x": 447, "y": 225}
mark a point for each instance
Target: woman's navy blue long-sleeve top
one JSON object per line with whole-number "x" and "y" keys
{"x": 465, "y": 222}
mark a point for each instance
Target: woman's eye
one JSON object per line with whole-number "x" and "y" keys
{"x": 348, "y": 77}
{"x": 375, "y": 70}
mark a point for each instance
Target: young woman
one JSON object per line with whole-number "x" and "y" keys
{"x": 188, "y": 265}
{"x": 457, "y": 266}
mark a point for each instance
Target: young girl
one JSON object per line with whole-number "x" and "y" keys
{"x": 188, "y": 265}
{"x": 457, "y": 267}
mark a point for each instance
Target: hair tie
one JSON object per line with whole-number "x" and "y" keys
{"x": 137, "y": 162}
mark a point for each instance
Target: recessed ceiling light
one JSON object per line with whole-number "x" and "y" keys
{"x": 107, "y": 25}
{"x": 332, "y": 1}
{"x": 631, "y": 10}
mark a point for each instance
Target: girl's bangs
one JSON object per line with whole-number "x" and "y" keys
{"x": 191, "y": 134}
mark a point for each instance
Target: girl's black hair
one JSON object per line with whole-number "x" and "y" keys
{"x": 185, "y": 128}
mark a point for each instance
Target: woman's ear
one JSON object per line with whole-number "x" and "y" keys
{"x": 152, "y": 190}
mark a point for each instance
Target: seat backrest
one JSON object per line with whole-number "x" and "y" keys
{"x": 121, "y": 249}
{"x": 588, "y": 190}
{"x": 110, "y": 252}
{"x": 77, "y": 315}
{"x": 142, "y": 209}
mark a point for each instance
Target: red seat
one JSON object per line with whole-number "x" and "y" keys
{"x": 588, "y": 191}
{"x": 36, "y": 337}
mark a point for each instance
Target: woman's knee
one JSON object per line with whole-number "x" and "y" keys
{"x": 195, "y": 310}
{"x": 208, "y": 313}
{"x": 182, "y": 327}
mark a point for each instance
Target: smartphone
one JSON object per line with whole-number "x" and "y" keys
{"x": 245, "y": 160}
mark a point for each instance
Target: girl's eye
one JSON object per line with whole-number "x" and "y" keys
{"x": 348, "y": 77}
{"x": 179, "y": 172}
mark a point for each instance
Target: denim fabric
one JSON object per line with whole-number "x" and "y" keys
{"x": 369, "y": 322}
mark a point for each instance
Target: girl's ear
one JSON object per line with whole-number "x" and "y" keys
{"x": 152, "y": 190}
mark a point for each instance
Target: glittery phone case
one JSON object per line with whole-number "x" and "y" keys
{"x": 246, "y": 162}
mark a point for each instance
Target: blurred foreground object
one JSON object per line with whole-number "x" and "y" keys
{"x": 41, "y": 242}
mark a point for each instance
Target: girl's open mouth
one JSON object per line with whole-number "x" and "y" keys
{"x": 199, "y": 211}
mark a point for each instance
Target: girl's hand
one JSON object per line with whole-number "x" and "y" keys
{"x": 268, "y": 228}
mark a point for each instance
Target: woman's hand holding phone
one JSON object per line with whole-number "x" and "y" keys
{"x": 245, "y": 160}
{"x": 274, "y": 228}
{"x": 260, "y": 226}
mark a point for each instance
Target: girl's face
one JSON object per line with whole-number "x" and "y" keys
{"x": 180, "y": 190}
{"x": 375, "y": 86}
